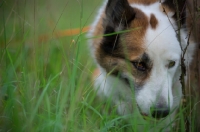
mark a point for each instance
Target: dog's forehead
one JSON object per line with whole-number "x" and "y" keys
{"x": 156, "y": 30}
{"x": 164, "y": 45}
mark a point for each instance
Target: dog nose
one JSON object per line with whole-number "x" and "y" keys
{"x": 159, "y": 112}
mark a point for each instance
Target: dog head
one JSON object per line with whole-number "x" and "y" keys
{"x": 139, "y": 43}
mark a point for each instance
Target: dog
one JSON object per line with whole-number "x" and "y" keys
{"x": 139, "y": 47}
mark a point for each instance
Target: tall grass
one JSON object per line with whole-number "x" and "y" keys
{"x": 45, "y": 83}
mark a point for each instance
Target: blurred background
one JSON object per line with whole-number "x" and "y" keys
{"x": 45, "y": 65}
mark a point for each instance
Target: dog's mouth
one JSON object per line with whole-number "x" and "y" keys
{"x": 148, "y": 117}
{"x": 144, "y": 115}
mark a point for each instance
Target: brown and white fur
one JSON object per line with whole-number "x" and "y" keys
{"x": 137, "y": 48}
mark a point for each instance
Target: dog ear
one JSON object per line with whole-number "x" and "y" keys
{"x": 119, "y": 12}
{"x": 178, "y": 7}
{"x": 118, "y": 15}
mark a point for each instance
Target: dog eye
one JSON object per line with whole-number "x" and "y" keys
{"x": 171, "y": 64}
{"x": 141, "y": 66}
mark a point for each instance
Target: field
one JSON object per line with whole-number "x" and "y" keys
{"x": 46, "y": 69}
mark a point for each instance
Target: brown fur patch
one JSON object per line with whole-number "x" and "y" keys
{"x": 144, "y": 2}
{"x": 131, "y": 47}
{"x": 153, "y": 21}
{"x": 134, "y": 40}
{"x": 132, "y": 43}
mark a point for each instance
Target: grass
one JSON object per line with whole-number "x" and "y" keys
{"x": 45, "y": 83}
